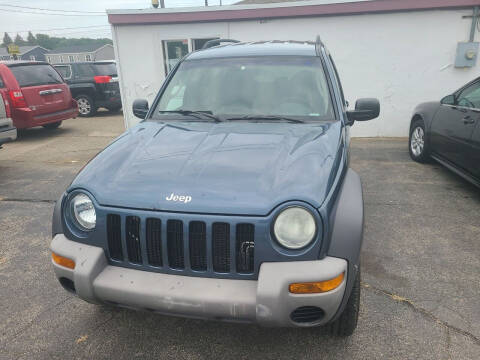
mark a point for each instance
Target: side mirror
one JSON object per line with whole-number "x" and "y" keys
{"x": 448, "y": 100}
{"x": 365, "y": 109}
{"x": 140, "y": 108}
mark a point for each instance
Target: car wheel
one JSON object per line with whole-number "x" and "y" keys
{"x": 86, "y": 106}
{"x": 53, "y": 126}
{"x": 417, "y": 145}
{"x": 346, "y": 323}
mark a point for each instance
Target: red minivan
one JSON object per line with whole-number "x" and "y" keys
{"x": 37, "y": 93}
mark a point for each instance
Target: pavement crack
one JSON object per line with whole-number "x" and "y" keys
{"x": 22, "y": 330}
{"x": 27, "y": 200}
{"x": 427, "y": 314}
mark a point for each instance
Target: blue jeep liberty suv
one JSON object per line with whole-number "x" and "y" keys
{"x": 231, "y": 200}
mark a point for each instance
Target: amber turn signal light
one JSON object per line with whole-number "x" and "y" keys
{"x": 316, "y": 287}
{"x": 63, "y": 261}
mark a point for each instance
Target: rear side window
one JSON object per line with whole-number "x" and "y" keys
{"x": 33, "y": 75}
{"x": 105, "y": 69}
{"x": 85, "y": 70}
{"x": 65, "y": 71}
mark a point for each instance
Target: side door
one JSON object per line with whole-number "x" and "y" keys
{"x": 453, "y": 125}
{"x": 82, "y": 73}
{"x": 81, "y": 80}
{"x": 475, "y": 152}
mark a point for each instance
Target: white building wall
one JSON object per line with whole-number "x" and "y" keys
{"x": 401, "y": 58}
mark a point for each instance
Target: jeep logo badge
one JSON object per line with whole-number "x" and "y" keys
{"x": 181, "y": 198}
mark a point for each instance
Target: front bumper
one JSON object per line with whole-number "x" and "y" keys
{"x": 266, "y": 301}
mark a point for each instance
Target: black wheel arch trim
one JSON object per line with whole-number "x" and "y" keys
{"x": 57, "y": 225}
{"x": 347, "y": 233}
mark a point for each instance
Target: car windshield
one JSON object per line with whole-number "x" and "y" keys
{"x": 233, "y": 88}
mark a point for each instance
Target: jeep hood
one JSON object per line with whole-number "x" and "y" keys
{"x": 234, "y": 167}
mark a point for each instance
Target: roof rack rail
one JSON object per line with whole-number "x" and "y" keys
{"x": 318, "y": 45}
{"x": 216, "y": 42}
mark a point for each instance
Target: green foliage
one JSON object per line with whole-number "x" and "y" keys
{"x": 52, "y": 42}
{"x": 57, "y": 42}
{"x": 31, "y": 40}
{"x": 19, "y": 40}
{"x": 7, "y": 40}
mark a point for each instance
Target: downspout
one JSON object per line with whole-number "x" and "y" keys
{"x": 474, "y": 23}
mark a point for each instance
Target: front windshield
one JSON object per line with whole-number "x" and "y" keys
{"x": 250, "y": 86}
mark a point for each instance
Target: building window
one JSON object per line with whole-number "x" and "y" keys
{"x": 71, "y": 58}
{"x": 88, "y": 57}
{"x": 32, "y": 57}
{"x": 49, "y": 60}
{"x": 61, "y": 58}
{"x": 173, "y": 51}
{"x": 197, "y": 44}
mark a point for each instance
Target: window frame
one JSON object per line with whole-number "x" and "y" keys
{"x": 165, "y": 52}
{"x": 466, "y": 87}
{"x": 67, "y": 66}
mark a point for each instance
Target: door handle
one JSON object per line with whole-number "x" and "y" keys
{"x": 468, "y": 120}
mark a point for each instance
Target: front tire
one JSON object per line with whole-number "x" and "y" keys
{"x": 86, "y": 106}
{"x": 417, "y": 146}
{"x": 53, "y": 126}
{"x": 346, "y": 323}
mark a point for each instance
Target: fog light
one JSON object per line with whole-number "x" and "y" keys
{"x": 63, "y": 261}
{"x": 316, "y": 287}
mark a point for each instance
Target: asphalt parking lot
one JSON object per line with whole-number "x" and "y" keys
{"x": 420, "y": 261}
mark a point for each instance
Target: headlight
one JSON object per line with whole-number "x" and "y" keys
{"x": 295, "y": 227}
{"x": 83, "y": 211}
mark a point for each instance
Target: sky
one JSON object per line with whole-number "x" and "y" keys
{"x": 18, "y": 17}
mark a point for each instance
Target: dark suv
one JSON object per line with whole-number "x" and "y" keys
{"x": 93, "y": 85}
{"x": 232, "y": 199}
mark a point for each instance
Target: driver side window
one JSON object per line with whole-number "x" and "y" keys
{"x": 470, "y": 96}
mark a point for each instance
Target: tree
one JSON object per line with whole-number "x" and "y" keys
{"x": 7, "y": 39}
{"x": 31, "y": 39}
{"x": 19, "y": 40}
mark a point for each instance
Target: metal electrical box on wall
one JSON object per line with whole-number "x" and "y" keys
{"x": 466, "y": 54}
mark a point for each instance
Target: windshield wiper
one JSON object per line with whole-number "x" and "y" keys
{"x": 198, "y": 114}
{"x": 265, "y": 117}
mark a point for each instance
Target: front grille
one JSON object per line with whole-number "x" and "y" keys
{"x": 221, "y": 247}
{"x": 132, "y": 232}
{"x": 199, "y": 246}
{"x": 154, "y": 241}
{"x": 114, "y": 236}
{"x": 245, "y": 248}
{"x": 175, "y": 244}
